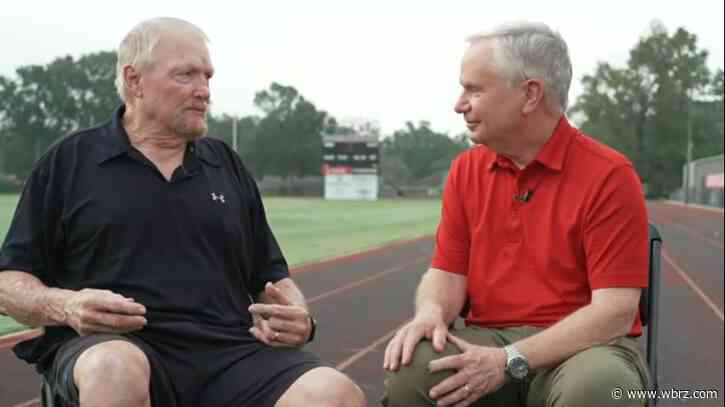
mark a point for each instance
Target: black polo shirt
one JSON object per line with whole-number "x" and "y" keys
{"x": 95, "y": 213}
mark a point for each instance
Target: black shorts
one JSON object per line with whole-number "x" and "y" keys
{"x": 255, "y": 375}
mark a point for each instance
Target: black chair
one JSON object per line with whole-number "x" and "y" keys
{"x": 648, "y": 310}
{"x": 648, "y": 306}
{"x": 47, "y": 399}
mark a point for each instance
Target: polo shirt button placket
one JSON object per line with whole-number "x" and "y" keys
{"x": 516, "y": 204}
{"x": 513, "y": 222}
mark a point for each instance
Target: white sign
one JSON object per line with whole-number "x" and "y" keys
{"x": 362, "y": 187}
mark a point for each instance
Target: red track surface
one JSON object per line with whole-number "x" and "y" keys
{"x": 360, "y": 300}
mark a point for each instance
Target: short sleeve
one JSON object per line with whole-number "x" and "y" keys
{"x": 269, "y": 262}
{"x": 453, "y": 240}
{"x": 616, "y": 241}
{"x": 26, "y": 244}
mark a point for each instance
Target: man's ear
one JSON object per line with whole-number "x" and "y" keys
{"x": 533, "y": 95}
{"x": 132, "y": 78}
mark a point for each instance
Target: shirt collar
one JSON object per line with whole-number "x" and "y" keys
{"x": 203, "y": 151}
{"x": 500, "y": 161}
{"x": 116, "y": 143}
{"x": 551, "y": 155}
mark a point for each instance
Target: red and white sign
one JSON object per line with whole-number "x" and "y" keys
{"x": 336, "y": 170}
{"x": 714, "y": 181}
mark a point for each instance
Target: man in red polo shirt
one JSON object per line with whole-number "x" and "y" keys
{"x": 544, "y": 230}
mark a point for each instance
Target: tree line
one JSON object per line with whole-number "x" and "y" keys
{"x": 647, "y": 108}
{"x": 644, "y": 109}
{"x": 44, "y": 103}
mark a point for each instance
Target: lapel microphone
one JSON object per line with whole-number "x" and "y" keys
{"x": 524, "y": 196}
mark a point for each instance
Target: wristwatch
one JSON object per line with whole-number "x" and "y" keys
{"x": 517, "y": 366}
{"x": 313, "y": 324}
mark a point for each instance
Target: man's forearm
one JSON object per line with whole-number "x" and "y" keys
{"x": 592, "y": 325}
{"x": 27, "y": 300}
{"x": 441, "y": 294}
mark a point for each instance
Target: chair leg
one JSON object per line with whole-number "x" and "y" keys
{"x": 47, "y": 398}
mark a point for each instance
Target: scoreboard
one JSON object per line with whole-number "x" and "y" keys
{"x": 353, "y": 153}
{"x": 350, "y": 167}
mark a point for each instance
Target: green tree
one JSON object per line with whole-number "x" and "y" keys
{"x": 707, "y": 132}
{"x": 288, "y": 139}
{"x": 222, "y": 127}
{"x": 417, "y": 152}
{"x": 44, "y": 103}
{"x": 642, "y": 109}
{"x": 394, "y": 173}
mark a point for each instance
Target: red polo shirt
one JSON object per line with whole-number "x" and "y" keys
{"x": 534, "y": 261}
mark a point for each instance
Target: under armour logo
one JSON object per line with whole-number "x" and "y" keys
{"x": 219, "y": 197}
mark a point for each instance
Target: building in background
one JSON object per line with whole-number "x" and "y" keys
{"x": 705, "y": 181}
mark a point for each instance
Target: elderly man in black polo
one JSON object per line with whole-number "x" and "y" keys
{"x": 144, "y": 251}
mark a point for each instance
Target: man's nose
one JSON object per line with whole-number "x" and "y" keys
{"x": 202, "y": 89}
{"x": 461, "y": 106}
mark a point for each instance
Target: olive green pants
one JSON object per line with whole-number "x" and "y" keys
{"x": 586, "y": 379}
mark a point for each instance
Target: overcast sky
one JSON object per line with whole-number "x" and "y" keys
{"x": 389, "y": 61}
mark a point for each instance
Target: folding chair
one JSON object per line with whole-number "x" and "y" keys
{"x": 648, "y": 307}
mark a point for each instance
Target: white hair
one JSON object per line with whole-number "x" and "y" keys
{"x": 524, "y": 50}
{"x": 137, "y": 47}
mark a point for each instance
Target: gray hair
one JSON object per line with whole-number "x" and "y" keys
{"x": 524, "y": 50}
{"x": 136, "y": 49}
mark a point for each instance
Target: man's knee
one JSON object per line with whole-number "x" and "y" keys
{"x": 409, "y": 385}
{"x": 113, "y": 367}
{"x": 323, "y": 386}
{"x": 591, "y": 377}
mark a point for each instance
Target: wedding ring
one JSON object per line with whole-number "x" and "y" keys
{"x": 467, "y": 388}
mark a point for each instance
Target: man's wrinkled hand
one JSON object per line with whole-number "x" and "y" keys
{"x": 281, "y": 323}
{"x": 400, "y": 348}
{"x": 480, "y": 370}
{"x": 90, "y": 311}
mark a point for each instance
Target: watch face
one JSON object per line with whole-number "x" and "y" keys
{"x": 518, "y": 368}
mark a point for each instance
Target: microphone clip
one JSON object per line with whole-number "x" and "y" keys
{"x": 524, "y": 196}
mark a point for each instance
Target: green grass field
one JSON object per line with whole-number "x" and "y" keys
{"x": 313, "y": 229}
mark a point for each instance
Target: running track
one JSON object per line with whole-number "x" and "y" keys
{"x": 360, "y": 300}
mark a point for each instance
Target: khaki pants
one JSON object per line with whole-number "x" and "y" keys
{"x": 586, "y": 379}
